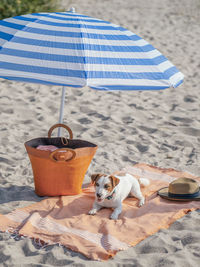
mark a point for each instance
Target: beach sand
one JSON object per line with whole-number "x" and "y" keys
{"x": 161, "y": 128}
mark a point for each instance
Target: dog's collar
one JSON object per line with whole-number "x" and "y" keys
{"x": 111, "y": 196}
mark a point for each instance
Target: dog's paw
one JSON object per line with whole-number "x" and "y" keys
{"x": 141, "y": 202}
{"x": 92, "y": 212}
{"x": 113, "y": 216}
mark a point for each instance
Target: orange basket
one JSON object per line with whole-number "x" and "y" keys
{"x": 62, "y": 171}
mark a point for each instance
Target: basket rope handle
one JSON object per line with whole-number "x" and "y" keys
{"x": 63, "y": 140}
{"x": 61, "y": 155}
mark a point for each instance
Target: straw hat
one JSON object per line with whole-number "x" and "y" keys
{"x": 182, "y": 189}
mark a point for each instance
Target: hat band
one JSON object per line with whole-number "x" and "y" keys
{"x": 183, "y": 195}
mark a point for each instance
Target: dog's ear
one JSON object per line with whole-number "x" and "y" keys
{"x": 95, "y": 177}
{"x": 114, "y": 180}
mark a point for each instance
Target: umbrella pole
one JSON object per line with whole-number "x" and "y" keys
{"x": 61, "y": 109}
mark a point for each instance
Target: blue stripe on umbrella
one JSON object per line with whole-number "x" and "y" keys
{"x": 42, "y": 56}
{"x": 171, "y": 71}
{"x": 125, "y": 61}
{"x": 70, "y": 25}
{"x": 77, "y": 46}
{"x": 5, "y": 36}
{"x": 104, "y": 88}
{"x": 82, "y": 74}
{"x": 44, "y": 70}
{"x": 128, "y": 88}
{"x": 88, "y": 60}
{"x": 71, "y": 19}
{"x": 69, "y": 34}
{"x": 31, "y": 80}
{"x": 126, "y": 75}
{"x": 11, "y": 25}
{"x": 25, "y": 18}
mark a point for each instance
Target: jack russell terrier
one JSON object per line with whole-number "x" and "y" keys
{"x": 112, "y": 190}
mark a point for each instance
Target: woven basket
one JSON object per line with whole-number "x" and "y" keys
{"x": 62, "y": 171}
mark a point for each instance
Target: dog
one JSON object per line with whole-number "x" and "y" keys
{"x": 111, "y": 190}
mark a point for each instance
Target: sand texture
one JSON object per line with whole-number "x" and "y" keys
{"x": 160, "y": 128}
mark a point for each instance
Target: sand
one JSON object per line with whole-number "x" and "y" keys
{"x": 160, "y": 128}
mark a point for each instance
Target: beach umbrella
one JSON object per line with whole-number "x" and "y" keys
{"x": 70, "y": 49}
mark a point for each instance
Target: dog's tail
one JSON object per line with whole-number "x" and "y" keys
{"x": 144, "y": 181}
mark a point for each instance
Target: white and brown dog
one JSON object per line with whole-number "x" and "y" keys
{"x": 112, "y": 190}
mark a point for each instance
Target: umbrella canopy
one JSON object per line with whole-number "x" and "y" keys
{"x": 70, "y": 49}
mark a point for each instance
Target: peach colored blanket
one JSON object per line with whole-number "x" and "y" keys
{"x": 64, "y": 220}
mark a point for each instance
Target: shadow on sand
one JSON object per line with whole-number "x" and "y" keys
{"x": 18, "y": 193}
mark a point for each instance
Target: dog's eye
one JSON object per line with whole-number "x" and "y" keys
{"x": 106, "y": 186}
{"x": 97, "y": 184}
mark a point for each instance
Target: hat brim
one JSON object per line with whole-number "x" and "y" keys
{"x": 163, "y": 192}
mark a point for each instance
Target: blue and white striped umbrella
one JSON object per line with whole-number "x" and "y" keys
{"x": 75, "y": 50}
{"x": 70, "y": 49}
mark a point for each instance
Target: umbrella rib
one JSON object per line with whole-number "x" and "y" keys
{"x": 84, "y": 50}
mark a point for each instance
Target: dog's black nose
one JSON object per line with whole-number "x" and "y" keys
{"x": 98, "y": 195}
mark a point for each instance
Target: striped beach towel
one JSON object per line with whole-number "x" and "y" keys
{"x": 64, "y": 220}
